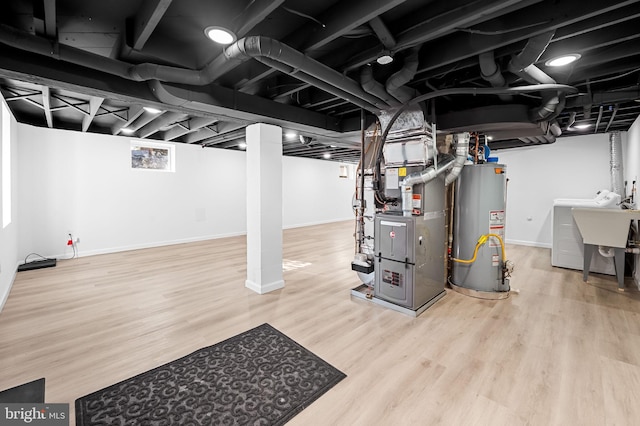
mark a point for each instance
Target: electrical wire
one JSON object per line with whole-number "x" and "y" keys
{"x": 34, "y": 254}
{"x": 500, "y": 32}
{"x": 304, "y": 15}
{"x": 604, "y": 80}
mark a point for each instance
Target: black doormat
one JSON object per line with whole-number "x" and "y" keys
{"x": 32, "y": 392}
{"x": 259, "y": 377}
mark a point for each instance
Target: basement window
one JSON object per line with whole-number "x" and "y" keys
{"x": 153, "y": 156}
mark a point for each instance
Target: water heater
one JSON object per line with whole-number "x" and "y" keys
{"x": 479, "y": 210}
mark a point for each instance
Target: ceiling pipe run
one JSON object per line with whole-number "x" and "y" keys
{"x": 370, "y": 85}
{"x": 395, "y": 84}
{"x": 240, "y": 51}
{"x": 523, "y": 66}
{"x": 490, "y": 71}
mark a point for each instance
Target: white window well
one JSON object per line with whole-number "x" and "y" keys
{"x": 152, "y": 156}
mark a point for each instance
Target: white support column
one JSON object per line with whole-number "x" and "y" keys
{"x": 264, "y": 208}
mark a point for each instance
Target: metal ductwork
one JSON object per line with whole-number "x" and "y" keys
{"x": 428, "y": 174}
{"x": 617, "y": 175}
{"x": 462, "y": 151}
{"x": 249, "y": 47}
{"x": 490, "y": 71}
{"x": 586, "y": 100}
{"x": 395, "y": 84}
{"x": 523, "y": 66}
{"x": 370, "y": 85}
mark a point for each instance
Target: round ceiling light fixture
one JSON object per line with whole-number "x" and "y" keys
{"x": 384, "y": 59}
{"x": 152, "y": 110}
{"x": 560, "y": 61}
{"x": 127, "y": 131}
{"x": 220, "y": 35}
{"x": 326, "y": 155}
{"x": 242, "y": 145}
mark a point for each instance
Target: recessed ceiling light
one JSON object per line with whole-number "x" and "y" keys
{"x": 384, "y": 59}
{"x": 152, "y": 110}
{"x": 220, "y": 35}
{"x": 242, "y": 145}
{"x": 333, "y": 146}
{"x": 327, "y": 155}
{"x": 562, "y": 60}
{"x": 127, "y": 131}
{"x": 581, "y": 126}
{"x": 290, "y": 135}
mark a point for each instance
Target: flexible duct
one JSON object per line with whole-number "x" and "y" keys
{"x": 395, "y": 84}
{"x": 370, "y": 85}
{"x": 462, "y": 151}
{"x": 490, "y": 71}
{"x": 424, "y": 176}
{"x": 617, "y": 175}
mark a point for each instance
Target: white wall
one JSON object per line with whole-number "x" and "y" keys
{"x": 572, "y": 167}
{"x": 632, "y": 172}
{"x": 82, "y": 183}
{"x": 313, "y": 192}
{"x": 9, "y": 235}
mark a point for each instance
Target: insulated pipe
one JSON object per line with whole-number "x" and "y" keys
{"x": 462, "y": 151}
{"x": 424, "y": 176}
{"x": 490, "y": 71}
{"x": 395, "y": 83}
{"x": 617, "y": 175}
{"x": 370, "y": 85}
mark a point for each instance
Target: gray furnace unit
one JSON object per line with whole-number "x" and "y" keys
{"x": 409, "y": 262}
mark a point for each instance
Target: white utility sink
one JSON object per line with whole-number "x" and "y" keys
{"x": 604, "y": 227}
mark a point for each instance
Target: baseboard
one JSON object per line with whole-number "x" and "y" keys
{"x": 5, "y": 296}
{"x": 265, "y": 288}
{"x": 320, "y": 222}
{"x": 528, "y": 243}
{"x": 85, "y": 253}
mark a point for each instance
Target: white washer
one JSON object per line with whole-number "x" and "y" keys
{"x": 567, "y": 249}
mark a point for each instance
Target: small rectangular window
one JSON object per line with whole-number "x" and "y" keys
{"x": 152, "y": 156}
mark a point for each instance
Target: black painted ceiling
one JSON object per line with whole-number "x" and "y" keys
{"x": 92, "y": 66}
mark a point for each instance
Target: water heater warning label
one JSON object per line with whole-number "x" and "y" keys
{"x": 496, "y": 217}
{"x": 496, "y": 226}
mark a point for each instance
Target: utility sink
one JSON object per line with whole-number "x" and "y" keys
{"x": 604, "y": 227}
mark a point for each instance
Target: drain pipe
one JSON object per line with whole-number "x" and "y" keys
{"x": 490, "y": 71}
{"x": 617, "y": 175}
{"x": 424, "y": 176}
{"x": 462, "y": 151}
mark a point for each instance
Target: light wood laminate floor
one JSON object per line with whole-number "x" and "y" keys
{"x": 561, "y": 352}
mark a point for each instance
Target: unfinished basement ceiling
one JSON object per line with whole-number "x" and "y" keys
{"x": 310, "y": 66}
